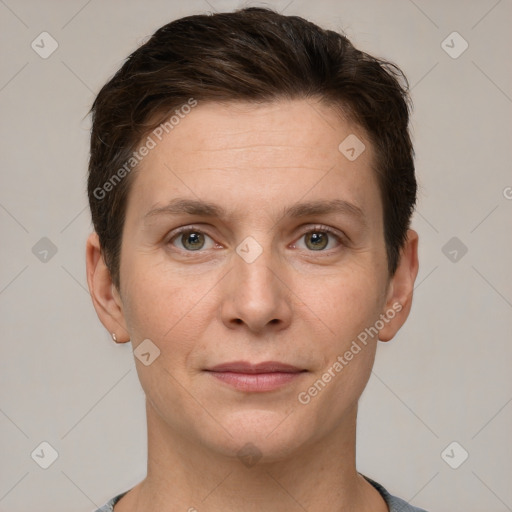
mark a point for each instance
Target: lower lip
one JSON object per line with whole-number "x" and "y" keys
{"x": 256, "y": 382}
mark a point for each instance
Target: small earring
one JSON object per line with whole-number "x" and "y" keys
{"x": 114, "y": 337}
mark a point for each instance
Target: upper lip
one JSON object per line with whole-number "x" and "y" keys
{"x": 264, "y": 367}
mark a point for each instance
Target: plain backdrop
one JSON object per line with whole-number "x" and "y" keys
{"x": 440, "y": 390}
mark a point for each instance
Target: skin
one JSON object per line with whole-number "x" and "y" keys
{"x": 292, "y": 304}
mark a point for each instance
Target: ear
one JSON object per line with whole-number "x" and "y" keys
{"x": 401, "y": 287}
{"x": 105, "y": 297}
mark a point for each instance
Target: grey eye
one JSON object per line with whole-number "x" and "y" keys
{"x": 316, "y": 240}
{"x": 192, "y": 240}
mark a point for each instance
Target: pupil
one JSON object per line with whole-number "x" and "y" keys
{"x": 318, "y": 241}
{"x": 192, "y": 241}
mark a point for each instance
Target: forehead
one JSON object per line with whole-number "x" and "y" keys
{"x": 247, "y": 155}
{"x": 283, "y": 130}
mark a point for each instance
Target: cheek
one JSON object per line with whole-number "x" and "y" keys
{"x": 346, "y": 301}
{"x": 159, "y": 304}
{"x": 349, "y": 303}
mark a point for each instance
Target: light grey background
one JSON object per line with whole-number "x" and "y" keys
{"x": 446, "y": 377}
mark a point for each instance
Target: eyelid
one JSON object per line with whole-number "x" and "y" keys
{"x": 186, "y": 229}
{"x": 342, "y": 237}
{"x": 339, "y": 235}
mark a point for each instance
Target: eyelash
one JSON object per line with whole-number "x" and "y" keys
{"x": 318, "y": 228}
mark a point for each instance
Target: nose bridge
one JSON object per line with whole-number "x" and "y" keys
{"x": 254, "y": 264}
{"x": 256, "y": 296}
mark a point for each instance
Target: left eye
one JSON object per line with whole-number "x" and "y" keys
{"x": 319, "y": 240}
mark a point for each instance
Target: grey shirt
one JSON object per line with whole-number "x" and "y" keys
{"x": 395, "y": 504}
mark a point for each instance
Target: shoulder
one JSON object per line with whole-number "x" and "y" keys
{"x": 109, "y": 506}
{"x": 394, "y": 503}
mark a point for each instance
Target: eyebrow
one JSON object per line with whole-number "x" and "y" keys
{"x": 179, "y": 206}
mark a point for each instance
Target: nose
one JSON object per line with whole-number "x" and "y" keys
{"x": 255, "y": 296}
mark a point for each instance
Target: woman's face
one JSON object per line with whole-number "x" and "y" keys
{"x": 286, "y": 262}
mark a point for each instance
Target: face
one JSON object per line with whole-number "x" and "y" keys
{"x": 250, "y": 237}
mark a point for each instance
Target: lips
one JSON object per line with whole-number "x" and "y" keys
{"x": 248, "y": 368}
{"x": 255, "y": 378}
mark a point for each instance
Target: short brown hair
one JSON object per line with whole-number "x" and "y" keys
{"x": 256, "y": 55}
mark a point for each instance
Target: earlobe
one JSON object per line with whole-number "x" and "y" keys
{"x": 105, "y": 298}
{"x": 401, "y": 287}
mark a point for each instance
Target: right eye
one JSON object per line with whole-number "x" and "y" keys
{"x": 189, "y": 239}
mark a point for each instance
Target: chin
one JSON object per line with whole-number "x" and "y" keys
{"x": 269, "y": 436}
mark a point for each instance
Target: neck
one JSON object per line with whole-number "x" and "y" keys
{"x": 184, "y": 475}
